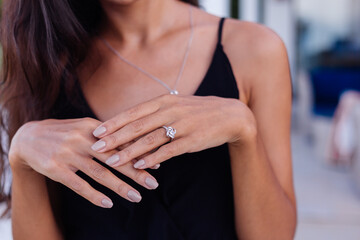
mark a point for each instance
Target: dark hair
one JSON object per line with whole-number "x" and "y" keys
{"x": 43, "y": 43}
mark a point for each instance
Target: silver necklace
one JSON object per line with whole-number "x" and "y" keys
{"x": 172, "y": 91}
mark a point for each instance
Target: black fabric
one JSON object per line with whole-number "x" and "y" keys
{"x": 194, "y": 199}
{"x": 221, "y": 25}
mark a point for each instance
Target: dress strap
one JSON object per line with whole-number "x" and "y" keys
{"x": 221, "y": 24}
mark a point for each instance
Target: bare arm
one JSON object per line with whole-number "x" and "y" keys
{"x": 263, "y": 210}
{"x": 57, "y": 149}
{"x": 32, "y": 217}
{"x": 261, "y": 163}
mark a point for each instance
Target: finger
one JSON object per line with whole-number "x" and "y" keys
{"x": 81, "y": 187}
{"x": 131, "y": 131}
{"x": 88, "y": 124}
{"x": 138, "y": 175}
{"x": 126, "y": 117}
{"x": 103, "y": 176}
{"x": 138, "y": 148}
{"x": 141, "y": 177}
{"x": 167, "y": 151}
{"x": 156, "y": 166}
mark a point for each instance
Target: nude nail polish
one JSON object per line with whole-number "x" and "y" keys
{"x": 134, "y": 196}
{"x": 139, "y": 164}
{"x": 99, "y": 145}
{"x": 107, "y": 203}
{"x": 112, "y": 160}
{"x": 157, "y": 166}
{"x": 151, "y": 183}
{"x": 99, "y": 131}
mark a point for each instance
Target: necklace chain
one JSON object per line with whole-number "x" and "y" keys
{"x": 171, "y": 90}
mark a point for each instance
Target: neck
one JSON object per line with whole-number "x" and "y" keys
{"x": 138, "y": 22}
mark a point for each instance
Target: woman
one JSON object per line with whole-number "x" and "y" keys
{"x": 96, "y": 93}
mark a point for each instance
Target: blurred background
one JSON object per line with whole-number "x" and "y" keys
{"x": 323, "y": 42}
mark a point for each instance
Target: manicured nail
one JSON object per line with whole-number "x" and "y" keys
{"x": 139, "y": 164}
{"x": 134, "y": 196}
{"x": 107, "y": 203}
{"x": 151, "y": 183}
{"x": 98, "y": 145}
{"x": 157, "y": 166}
{"x": 113, "y": 159}
{"x": 99, "y": 131}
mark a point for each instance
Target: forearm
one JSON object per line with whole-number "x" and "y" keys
{"x": 262, "y": 208}
{"x": 32, "y": 216}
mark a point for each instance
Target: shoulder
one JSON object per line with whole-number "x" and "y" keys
{"x": 252, "y": 39}
{"x": 255, "y": 53}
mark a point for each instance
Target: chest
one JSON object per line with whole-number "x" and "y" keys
{"x": 116, "y": 86}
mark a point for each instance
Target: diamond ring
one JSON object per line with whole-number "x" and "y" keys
{"x": 170, "y": 132}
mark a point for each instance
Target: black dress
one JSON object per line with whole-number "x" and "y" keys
{"x": 194, "y": 199}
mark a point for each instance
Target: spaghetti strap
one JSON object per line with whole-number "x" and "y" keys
{"x": 221, "y": 24}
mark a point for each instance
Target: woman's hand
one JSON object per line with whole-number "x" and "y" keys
{"x": 59, "y": 148}
{"x": 200, "y": 123}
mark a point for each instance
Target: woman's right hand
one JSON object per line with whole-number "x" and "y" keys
{"x": 59, "y": 148}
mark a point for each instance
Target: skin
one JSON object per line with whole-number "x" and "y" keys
{"x": 257, "y": 127}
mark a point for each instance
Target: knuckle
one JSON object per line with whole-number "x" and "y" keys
{"x": 73, "y": 135}
{"x": 126, "y": 153}
{"x": 64, "y": 143}
{"x": 91, "y": 123}
{"x": 77, "y": 138}
{"x": 50, "y": 166}
{"x": 122, "y": 188}
{"x": 149, "y": 139}
{"x": 110, "y": 124}
{"x": 64, "y": 147}
{"x": 168, "y": 150}
{"x": 97, "y": 171}
{"x": 88, "y": 120}
{"x": 76, "y": 185}
{"x": 166, "y": 97}
{"x": 137, "y": 126}
{"x": 139, "y": 176}
{"x": 133, "y": 112}
{"x": 111, "y": 140}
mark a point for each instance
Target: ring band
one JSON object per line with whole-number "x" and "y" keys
{"x": 170, "y": 132}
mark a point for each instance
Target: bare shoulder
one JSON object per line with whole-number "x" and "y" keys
{"x": 259, "y": 35}
{"x": 256, "y": 53}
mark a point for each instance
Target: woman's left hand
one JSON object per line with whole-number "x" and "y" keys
{"x": 200, "y": 123}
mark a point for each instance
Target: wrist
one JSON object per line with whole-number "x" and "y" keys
{"x": 17, "y": 164}
{"x": 247, "y": 131}
{"x": 16, "y": 161}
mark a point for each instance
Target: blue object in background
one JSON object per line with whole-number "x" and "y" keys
{"x": 329, "y": 83}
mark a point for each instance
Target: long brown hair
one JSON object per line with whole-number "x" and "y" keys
{"x": 43, "y": 42}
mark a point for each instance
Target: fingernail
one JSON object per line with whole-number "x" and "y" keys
{"x": 139, "y": 164}
{"x": 151, "y": 183}
{"x": 134, "y": 196}
{"x": 112, "y": 160}
{"x": 157, "y": 166}
{"x": 107, "y": 203}
{"x": 99, "y": 131}
{"x": 98, "y": 145}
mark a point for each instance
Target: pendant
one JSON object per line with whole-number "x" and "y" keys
{"x": 174, "y": 92}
